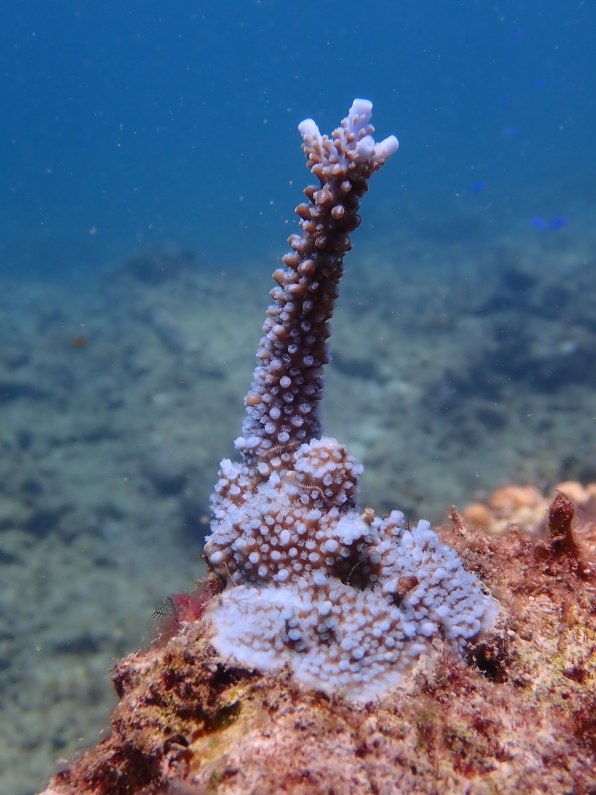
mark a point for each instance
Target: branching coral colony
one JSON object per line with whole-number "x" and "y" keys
{"x": 350, "y": 600}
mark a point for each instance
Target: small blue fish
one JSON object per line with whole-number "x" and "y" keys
{"x": 538, "y": 222}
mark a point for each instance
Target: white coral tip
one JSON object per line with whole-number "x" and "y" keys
{"x": 385, "y": 148}
{"x": 361, "y": 109}
{"x": 365, "y": 149}
{"x": 309, "y": 130}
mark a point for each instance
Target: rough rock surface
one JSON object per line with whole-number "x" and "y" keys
{"x": 516, "y": 716}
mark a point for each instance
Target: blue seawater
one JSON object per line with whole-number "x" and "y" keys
{"x": 131, "y": 123}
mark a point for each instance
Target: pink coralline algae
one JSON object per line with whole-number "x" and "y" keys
{"x": 349, "y": 600}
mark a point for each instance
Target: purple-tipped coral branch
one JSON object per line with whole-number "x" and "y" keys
{"x": 349, "y": 600}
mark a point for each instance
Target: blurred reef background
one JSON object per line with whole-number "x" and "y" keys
{"x": 150, "y": 165}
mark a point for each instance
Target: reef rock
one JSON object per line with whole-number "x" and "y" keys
{"x": 516, "y": 715}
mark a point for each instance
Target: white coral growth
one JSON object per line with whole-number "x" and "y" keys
{"x": 349, "y": 601}
{"x": 352, "y": 141}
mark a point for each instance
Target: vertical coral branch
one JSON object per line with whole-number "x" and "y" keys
{"x": 282, "y": 404}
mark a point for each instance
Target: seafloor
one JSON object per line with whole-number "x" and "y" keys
{"x": 459, "y": 365}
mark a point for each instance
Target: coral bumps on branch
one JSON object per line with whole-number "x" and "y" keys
{"x": 282, "y": 405}
{"x": 349, "y": 600}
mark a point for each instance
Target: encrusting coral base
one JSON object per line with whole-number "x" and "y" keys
{"x": 517, "y": 715}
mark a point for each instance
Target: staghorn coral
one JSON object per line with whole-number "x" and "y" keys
{"x": 316, "y": 584}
